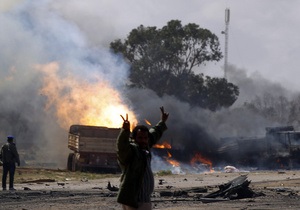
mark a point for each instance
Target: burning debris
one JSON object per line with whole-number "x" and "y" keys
{"x": 198, "y": 158}
{"x": 171, "y": 158}
{"x": 83, "y": 85}
{"x": 279, "y": 148}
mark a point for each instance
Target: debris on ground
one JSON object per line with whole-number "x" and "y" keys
{"x": 238, "y": 188}
{"x": 39, "y": 181}
{"x": 230, "y": 169}
{"x": 111, "y": 187}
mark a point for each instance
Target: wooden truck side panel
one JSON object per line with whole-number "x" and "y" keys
{"x": 93, "y": 139}
{"x": 87, "y": 144}
{"x": 93, "y": 147}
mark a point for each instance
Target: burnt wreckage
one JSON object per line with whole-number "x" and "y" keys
{"x": 279, "y": 148}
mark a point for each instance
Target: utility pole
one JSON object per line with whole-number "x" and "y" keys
{"x": 227, "y": 18}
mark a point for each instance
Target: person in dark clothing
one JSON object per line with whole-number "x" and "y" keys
{"x": 9, "y": 157}
{"x": 134, "y": 157}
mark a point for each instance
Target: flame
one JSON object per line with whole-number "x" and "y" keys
{"x": 173, "y": 162}
{"x": 169, "y": 154}
{"x": 77, "y": 101}
{"x": 147, "y": 122}
{"x": 164, "y": 145}
{"x": 199, "y": 158}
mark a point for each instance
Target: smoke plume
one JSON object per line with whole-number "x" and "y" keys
{"x": 43, "y": 55}
{"x": 49, "y": 65}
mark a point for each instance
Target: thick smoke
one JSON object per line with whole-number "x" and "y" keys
{"x": 34, "y": 34}
{"x": 192, "y": 130}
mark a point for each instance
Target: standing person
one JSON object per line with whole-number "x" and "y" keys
{"x": 137, "y": 181}
{"x": 9, "y": 157}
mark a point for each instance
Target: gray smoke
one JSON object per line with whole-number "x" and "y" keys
{"x": 35, "y": 33}
{"x": 193, "y": 129}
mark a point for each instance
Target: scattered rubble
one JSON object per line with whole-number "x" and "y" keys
{"x": 39, "y": 181}
{"x": 277, "y": 190}
{"x": 111, "y": 187}
{"x": 236, "y": 189}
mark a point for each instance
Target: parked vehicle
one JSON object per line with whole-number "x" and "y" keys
{"x": 94, "y": 148}
{"x": 279, "y": 148}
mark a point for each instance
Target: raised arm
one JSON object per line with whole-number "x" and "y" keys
{"x": 156, "y": 132}
{"x": 126, "y": 123}
{"x": 123, "y": 145}
{"x": 164, "y": 115}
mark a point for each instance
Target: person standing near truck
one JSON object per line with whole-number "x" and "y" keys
{"x": 9, "y": 157}
{"x": 134, "y": 157}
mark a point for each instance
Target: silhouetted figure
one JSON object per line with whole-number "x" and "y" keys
{"x": 9, "y": 157}
{"x": 134, "y": 156}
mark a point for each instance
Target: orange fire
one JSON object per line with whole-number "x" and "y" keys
{"x": 198, "y": 158}
{"x": 171, "y": 161}
{"x": 78, "y": 101}
{"x": 169, "y": 154}
{"x": 147, "y": 122}
{"x": 164, "y": 145}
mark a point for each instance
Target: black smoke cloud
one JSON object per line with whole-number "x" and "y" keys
{"x": 36, "y": 34}
{"x": 193, "y": 129}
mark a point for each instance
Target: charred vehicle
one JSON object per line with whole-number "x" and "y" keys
{"x": 94, "y": 148}
{"x": 279, "y": 148}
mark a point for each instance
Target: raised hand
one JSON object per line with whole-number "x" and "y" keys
{"x": 164, "y": 115}
{"x": 126, "y": 123}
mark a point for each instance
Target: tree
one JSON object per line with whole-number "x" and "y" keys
{"x": 275, "y": 108}
{"x": 163, "y": 60}
{"x": 219, "y": 93}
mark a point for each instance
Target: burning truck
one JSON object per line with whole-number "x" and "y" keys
{"x": 93, "y": 147}
{"x": 279, "y": 148}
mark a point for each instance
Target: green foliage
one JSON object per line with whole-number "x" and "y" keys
{"x": 164, "y": 173}
{"x": 37, "y": 175}
{"x": 163, "y": 60}
{"x": 276, "y": 108}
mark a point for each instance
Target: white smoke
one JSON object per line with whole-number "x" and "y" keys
{"x": 39, "y": 32}
{"x": 34, "y": 34}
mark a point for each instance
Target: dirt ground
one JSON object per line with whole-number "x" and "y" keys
{"x": 57, "y": 189}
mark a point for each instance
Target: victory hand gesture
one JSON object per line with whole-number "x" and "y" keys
{"x": 126, "y": 123}
{"x": 164, "y": 115}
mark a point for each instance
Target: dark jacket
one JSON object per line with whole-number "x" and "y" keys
{"x": 9, "y": 154}
{"x": 133, "y": 164}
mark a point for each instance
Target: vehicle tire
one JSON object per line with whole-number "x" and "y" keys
{"x": 77, "y": 166}
{"x": 70, "y": 161}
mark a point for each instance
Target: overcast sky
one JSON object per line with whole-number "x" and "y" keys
{"x": 263, "y": 35}
{"x": 263, "y": 39}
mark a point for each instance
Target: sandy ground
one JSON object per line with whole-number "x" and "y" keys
{"x": 277, "y": 190}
